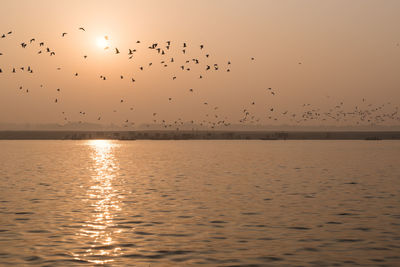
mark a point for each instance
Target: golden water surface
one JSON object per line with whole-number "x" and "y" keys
{"x": 205, "y": 203}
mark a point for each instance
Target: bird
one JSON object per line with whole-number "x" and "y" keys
{"x": 116, "y": 51}
{"x": 63, "y": 34}
{"x": 82, "y": 29}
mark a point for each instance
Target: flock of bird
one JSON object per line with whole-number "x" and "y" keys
{"x": 363, "y": 114}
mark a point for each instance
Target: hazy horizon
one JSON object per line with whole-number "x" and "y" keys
{"x": 338, "y": 59}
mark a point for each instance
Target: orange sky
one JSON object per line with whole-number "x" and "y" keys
{"x": 348, "y": 50}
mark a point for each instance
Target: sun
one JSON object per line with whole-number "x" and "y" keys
{"x": 102, "y": 42}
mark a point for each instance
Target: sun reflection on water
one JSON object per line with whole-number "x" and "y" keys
{"x": 98, "y": 232}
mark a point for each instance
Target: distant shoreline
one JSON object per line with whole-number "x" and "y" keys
{"x": 200, "y": 135}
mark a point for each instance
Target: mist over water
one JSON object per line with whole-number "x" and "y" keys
{"x": 216, "y": 203}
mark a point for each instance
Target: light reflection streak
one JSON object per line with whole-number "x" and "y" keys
{"x": 99, "y": 231}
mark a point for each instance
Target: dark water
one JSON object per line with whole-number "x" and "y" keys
{"x": 205, "y": 203}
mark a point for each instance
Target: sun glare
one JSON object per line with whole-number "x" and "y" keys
{"x": 102, "y": 42}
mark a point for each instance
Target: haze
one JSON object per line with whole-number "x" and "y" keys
{"x": 318, "y": 53}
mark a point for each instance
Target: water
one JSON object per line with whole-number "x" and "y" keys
{"x": 205, "y": 203}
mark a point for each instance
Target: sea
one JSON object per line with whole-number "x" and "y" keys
{"x": 200, "y": 203}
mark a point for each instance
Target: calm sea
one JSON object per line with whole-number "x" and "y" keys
{"x": 204, "y": 203}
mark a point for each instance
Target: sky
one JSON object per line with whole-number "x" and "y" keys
{"x": 316, "y": 56}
